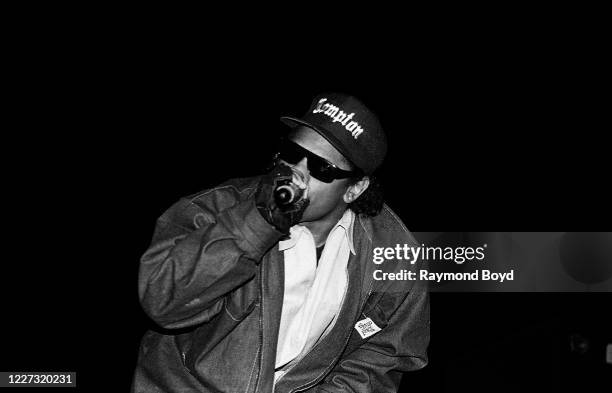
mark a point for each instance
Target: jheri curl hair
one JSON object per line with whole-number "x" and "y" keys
{"x": 371, "y": 201}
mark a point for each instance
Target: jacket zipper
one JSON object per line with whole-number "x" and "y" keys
{"x": 346, "y": 340}
{"x": 308, "y": 385}
{"x": 296, "y": 361}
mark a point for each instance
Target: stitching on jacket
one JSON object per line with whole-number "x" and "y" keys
{"x": 261, "y": 323}
{"x": 396, "y": 218}
{"x": 242, "y": 193}
{"x": 330, "y": 367}
{"x": 252, "y": 370}
{"x": 411, "y": 356}
{"x": 206, "y": 192}
{"x": 228, "y": 311}
{"x": 392, "y": 214}
{"x": 245, "y": 191}
{"x": 365, "y": 230}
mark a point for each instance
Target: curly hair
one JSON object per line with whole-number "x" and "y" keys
{"x": 370, "y": 203}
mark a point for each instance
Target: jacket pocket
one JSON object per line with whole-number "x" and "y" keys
{"x": 374, "y": 312}
{"x": 238, "y": 313}
{"x": 241, "y": 302}
{"x": 237, "y": 306}
{"x": 377, "y": 315}
{"x": 221, "y": 342}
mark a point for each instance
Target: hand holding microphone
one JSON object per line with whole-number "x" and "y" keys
{"x": 282, "y": 197}
{"x": 291, "y": 191}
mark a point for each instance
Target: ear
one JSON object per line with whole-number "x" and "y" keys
{"x": 355, "y": 190}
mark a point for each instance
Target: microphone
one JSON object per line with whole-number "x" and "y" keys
{"x": 287, "y": 194}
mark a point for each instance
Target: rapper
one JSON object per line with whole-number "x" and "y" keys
{"x": 266, "y": 284}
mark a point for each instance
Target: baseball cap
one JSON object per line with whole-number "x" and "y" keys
{"x": 349, "y": 126}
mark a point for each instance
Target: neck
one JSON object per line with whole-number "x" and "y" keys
{"x": 321, "y": 227}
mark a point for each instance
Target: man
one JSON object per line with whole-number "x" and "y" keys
{"x": 267, "y": 284}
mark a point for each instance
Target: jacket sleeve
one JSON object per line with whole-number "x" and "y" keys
{"x": 198, "y": 255}
{"x": 377, "y": 365}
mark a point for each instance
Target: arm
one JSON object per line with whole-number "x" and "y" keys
{"x": 377, "y": 365}
{"x": 199, "y": 255}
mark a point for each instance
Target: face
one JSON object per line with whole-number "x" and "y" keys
{"x": 325, "y": 198}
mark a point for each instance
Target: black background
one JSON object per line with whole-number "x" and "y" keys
{"x": 486, "y": 133}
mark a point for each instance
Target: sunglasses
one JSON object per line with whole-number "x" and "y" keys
{"x": 319, "y": 167}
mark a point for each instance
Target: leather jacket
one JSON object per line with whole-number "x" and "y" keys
{"x": 213, "y": 281}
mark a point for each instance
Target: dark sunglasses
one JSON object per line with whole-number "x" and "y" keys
{"x": 319, "y": 167}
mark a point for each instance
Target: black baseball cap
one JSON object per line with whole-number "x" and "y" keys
{"x": 349, "y": 126}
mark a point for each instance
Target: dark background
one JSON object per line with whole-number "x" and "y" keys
{"x": 485, "y": 135}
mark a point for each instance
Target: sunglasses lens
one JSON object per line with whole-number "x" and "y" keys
{"x": 321, "y": 170}
{"x": 318, "y": 167}
{"x": 290, "y": 153}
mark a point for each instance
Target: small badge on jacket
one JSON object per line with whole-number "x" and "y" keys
{"x": 366, "y": 328}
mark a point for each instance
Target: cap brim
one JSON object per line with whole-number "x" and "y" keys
{"x": 294, "y": 122}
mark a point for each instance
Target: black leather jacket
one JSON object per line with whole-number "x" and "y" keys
{"x": 213, "y": 279}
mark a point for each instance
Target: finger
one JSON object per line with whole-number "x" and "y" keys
{"x": 299, "y": 180}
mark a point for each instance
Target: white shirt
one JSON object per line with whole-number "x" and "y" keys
{"x": 313, "y": 294}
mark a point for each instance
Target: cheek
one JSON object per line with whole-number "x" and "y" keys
{"x": 324, "y": 195}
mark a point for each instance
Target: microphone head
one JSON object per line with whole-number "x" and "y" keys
{"x": 286, "y": 194}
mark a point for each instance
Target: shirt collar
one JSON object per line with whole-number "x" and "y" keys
{"x": 346, "y": 222}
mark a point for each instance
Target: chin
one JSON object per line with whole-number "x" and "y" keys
{"x": 311, "y": 215}
{"x": 307, "y": 218}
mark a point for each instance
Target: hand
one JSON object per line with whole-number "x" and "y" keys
{"x": 289, "y": 215}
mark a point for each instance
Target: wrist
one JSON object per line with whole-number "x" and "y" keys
{"x": 266, "y": 213}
